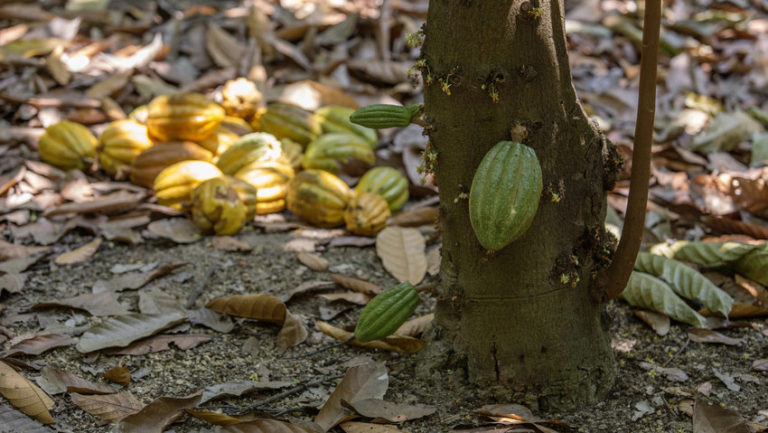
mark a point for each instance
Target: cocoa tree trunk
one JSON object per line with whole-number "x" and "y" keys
{"x": 521, "y": 322}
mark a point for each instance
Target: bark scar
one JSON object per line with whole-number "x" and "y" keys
{"x": 495, "y": 359}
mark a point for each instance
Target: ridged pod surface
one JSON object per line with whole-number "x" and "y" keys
{"x": 174, "y": 185}
{"x": 366, "y": 214}
{"x": 318, "y": 197}
{"x": 379, "y": 116}
{"x": 289, "y": 121}
{"x": 386, "y": 312}
{"x": 67, "y": 145}
{"x": 247, "y": 193}
{"x": 236, "y": 125}
{"x": 270, "y": 178}
{"x": 153, "y": 160}
{"x": 332, "y": 152}
{"x": 335, "y": 118}
{"x": 216, "y": 207}
{"x": 221, "y": 140}
{"x": 183, "y": 116}
{"x": 293, "y": 151}
{"x": 120, "y": 143}
{"x": 249, "y": 149}
{"x": 240, "y": 98}
{"x": 505, "y": 194}
{"x": 387, "y": 182}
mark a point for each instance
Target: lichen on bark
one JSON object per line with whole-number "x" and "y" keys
{"x": 508, "y": 320}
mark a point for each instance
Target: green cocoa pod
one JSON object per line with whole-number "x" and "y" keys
{"x": 505, "y": 194}
{"x": 386, "y": 312}
{"x": 387, "y": 182}
{"x": 335, "y": 118}
{"x": 378, "y": 116}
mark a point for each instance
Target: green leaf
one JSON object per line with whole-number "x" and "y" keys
{"x": 709, "y": 254}
{"x": 646, "y": 291}
{"x": 686, "y": 281}
{"x": 754, "y": 265}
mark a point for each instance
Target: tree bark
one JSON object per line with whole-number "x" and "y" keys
{"x": 521, "y": 322}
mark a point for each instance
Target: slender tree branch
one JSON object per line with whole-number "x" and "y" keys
{"x": 615, "y": 279}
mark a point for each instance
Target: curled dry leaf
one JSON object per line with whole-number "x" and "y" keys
{"x": 393, "y": 343}
{"x": 159, "y": 343}
{"x": 313, "y": 261}
{"x": 38, "y": 344}
{"x": 215, "y": 418}
{"x": 112, "y": 203}
{"x": 700, "y": 335}
{"x": 711, "y": 418}
{"x": 360, "y": 382}
{"x": 120, "y": 375}
{"x": 14, "y": 421}
{"x": 123, "y": 330}
{"x": 98, "y": 304}
{"x": 416, "y": 326}
{"x": 73, "y": 383}
{"x": 259, "y": 306}
{"x": 356, "y": 284}
{"x": 109, "y": 407}
{"x": 659, "y": 322}
{"x": 25, "y": 395}
{"x": 12, "y": 283}
{"x": 402, "y": 252}
{"x": 420, "y": 216}
{"x": 179, "y": 230}
{"x": 156, "y": 416}
{"x": 10, "y": 251}
{"x": 392, "y": 412}
{"x": 292, "y": 334}
{"x": 353, "y": 297}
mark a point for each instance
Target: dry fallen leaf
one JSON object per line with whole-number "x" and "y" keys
{"x": 179, "y": 230}
{"x": 266, "y": 425}
{"x": 38, "y": 344}
{"x": 120, "y": 375}
{"x": 216, "y": 418}
{"x": 12, "y": 282}
{"x": 313, "y": 261}
{"x": 25, "y": 395}
{"x": 393, "y": 343}
{"x": 292, "y": 333}
{"x": 402, "y": 252}
{"x": 392, "y": 412}
{"x": 236, "y": 389}
{"x": 97, "y": 304}
{"x": 711, "y": 418}
{"x": 229, "y": 243}
{"x": 366, "y": 427}
{"x": 659, "y": 322}
{"x": 13, "y": 420}
{"x": 156, "y": 416}
{"x": 360, "y": 382}
{"x": 112, "y": 203}
{"x": 135, "y": 280}
{"x": 259, "y": 306}
{"x": 353, "y": 297}
{"x": 70, "y": 382}
{"x": 356, "y": 284}
{"x": 123, "y": 330}
{"x": 416, "y": 326}
{"x": 159, "y": 343}
{"x": 109, "y": 407}
{"x": 420, "y": 216}
{"x": 10, "y": 251}
{"x": 700, "y": 335}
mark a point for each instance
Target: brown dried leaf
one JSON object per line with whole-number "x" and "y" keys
{"x": 659, "y": 322}
{"x": 135, "y": 280}
{"x": 215, "y": 418}
{"x": 159, "y": 343}
{"x": 123, "y": 330}
{"x": 351, "y": 241}
{"x": 427, "y": 215}
{"x": 111, "y": 203}
{"x": 225, "y": 50}
{"x": 292, "y": 334}
{"x": 416, "y": 326}
{"x": 179, "y": 230}
{"x": 79, "y": 254}
{"x": 211, "y": 319}
{"x": 402, "y": 252}
{"x": 379, "y": 71}
{"x": 120, "y": 375}
{"x": 108, "y": 407}
{"x": 259, "y": 306}
{"x": 237, "y": 389}
{"x": 360, "y": 382}
{"x": 25, "y": 395}
{"x": 97, "y": 304}
{"x": 156, "y": 416}
{"x": 305, "y": 287}
{"x": 433, "y": 260}
{"x": 366, "y": 427}
{"x": 109, "y": 85}
{"x": 12, "y": 283}
{"x": 9, "y": 251}
{"x": 313, "y": 261}
{"x": 393, "y": 343}
{"x": 715, "y": 419}
{"x": 700, "y": 335}
{"x": 73, "y": 383}
{"x": 38, "y": 344}
{"x": 731, "y": 226}
{"x": 760, "y": 364}
{"x": 353, "y": 297}
{"x": 14, "y": 421}
{"x": 229, "y": 243}
{"x": 392, "y": 412}
{"x": 264, "y": 425}
{"x": 356, "y": 284}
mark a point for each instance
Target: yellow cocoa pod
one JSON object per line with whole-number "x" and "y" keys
{"x": 183, "y": 117}
{"x": 153, "y": 160}
{"x": 221, "y": 140}
{"x": 120, "y": 143}
{"x": 318, "y": 197}
{"x": 339, "y": 152}
{"x": 240, "y": 98}
{"x": 174, "y": 185}
{"x": 67, "y": 145}
{"x": 366, "y": 214}
{"x": 247, "y": 193}
{"x": 270, "y": 178}
{"x": 249, "y": 149}
{"x": 216, "y": 207}
{"x": 236, "y": 125}
{"x": 289, "y": 121}
{"x": 293, "y": 151}
{"x": 387, "y": 182}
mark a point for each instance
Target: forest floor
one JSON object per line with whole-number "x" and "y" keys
{"x": 72, "y": 266}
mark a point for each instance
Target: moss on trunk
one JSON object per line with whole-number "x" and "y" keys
{"x": 522, "y": 321}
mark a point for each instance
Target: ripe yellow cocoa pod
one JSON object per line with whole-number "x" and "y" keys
{"x": 67, "y": 145}
{"x": 216, "y": 207}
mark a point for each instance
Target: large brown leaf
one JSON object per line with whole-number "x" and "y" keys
{"x": 135, "y": 280}
{"x": 12, "y": 420}
{"x": 266, "y": 426}
{"x": 79, "y": 254}
{"x": 392, "y": 412}
{"x": 69, "y": 382}
{"x": 38, "y": 344}
{"x": 156, "y": 416}
{"x": 10, "y": 251}
{"x": 25, "y": 395}
{"x": 109, "y": 407}
{"x": 393, "y": 343}
{"x": 112, "y": 203}
{"x": 360, "y": 382}
{"x": 98, "y": 304}
{"x": 402, "y": 252}
{"x": 715, "y": 419}
{"x": 356, "y": 284}
{"x": 179, "y": 230}
{"x": 159, "y": 343}
{"x": 123, "y": 330}
{"x": 259, "y": 306}
{"x": 292, "y": 333}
